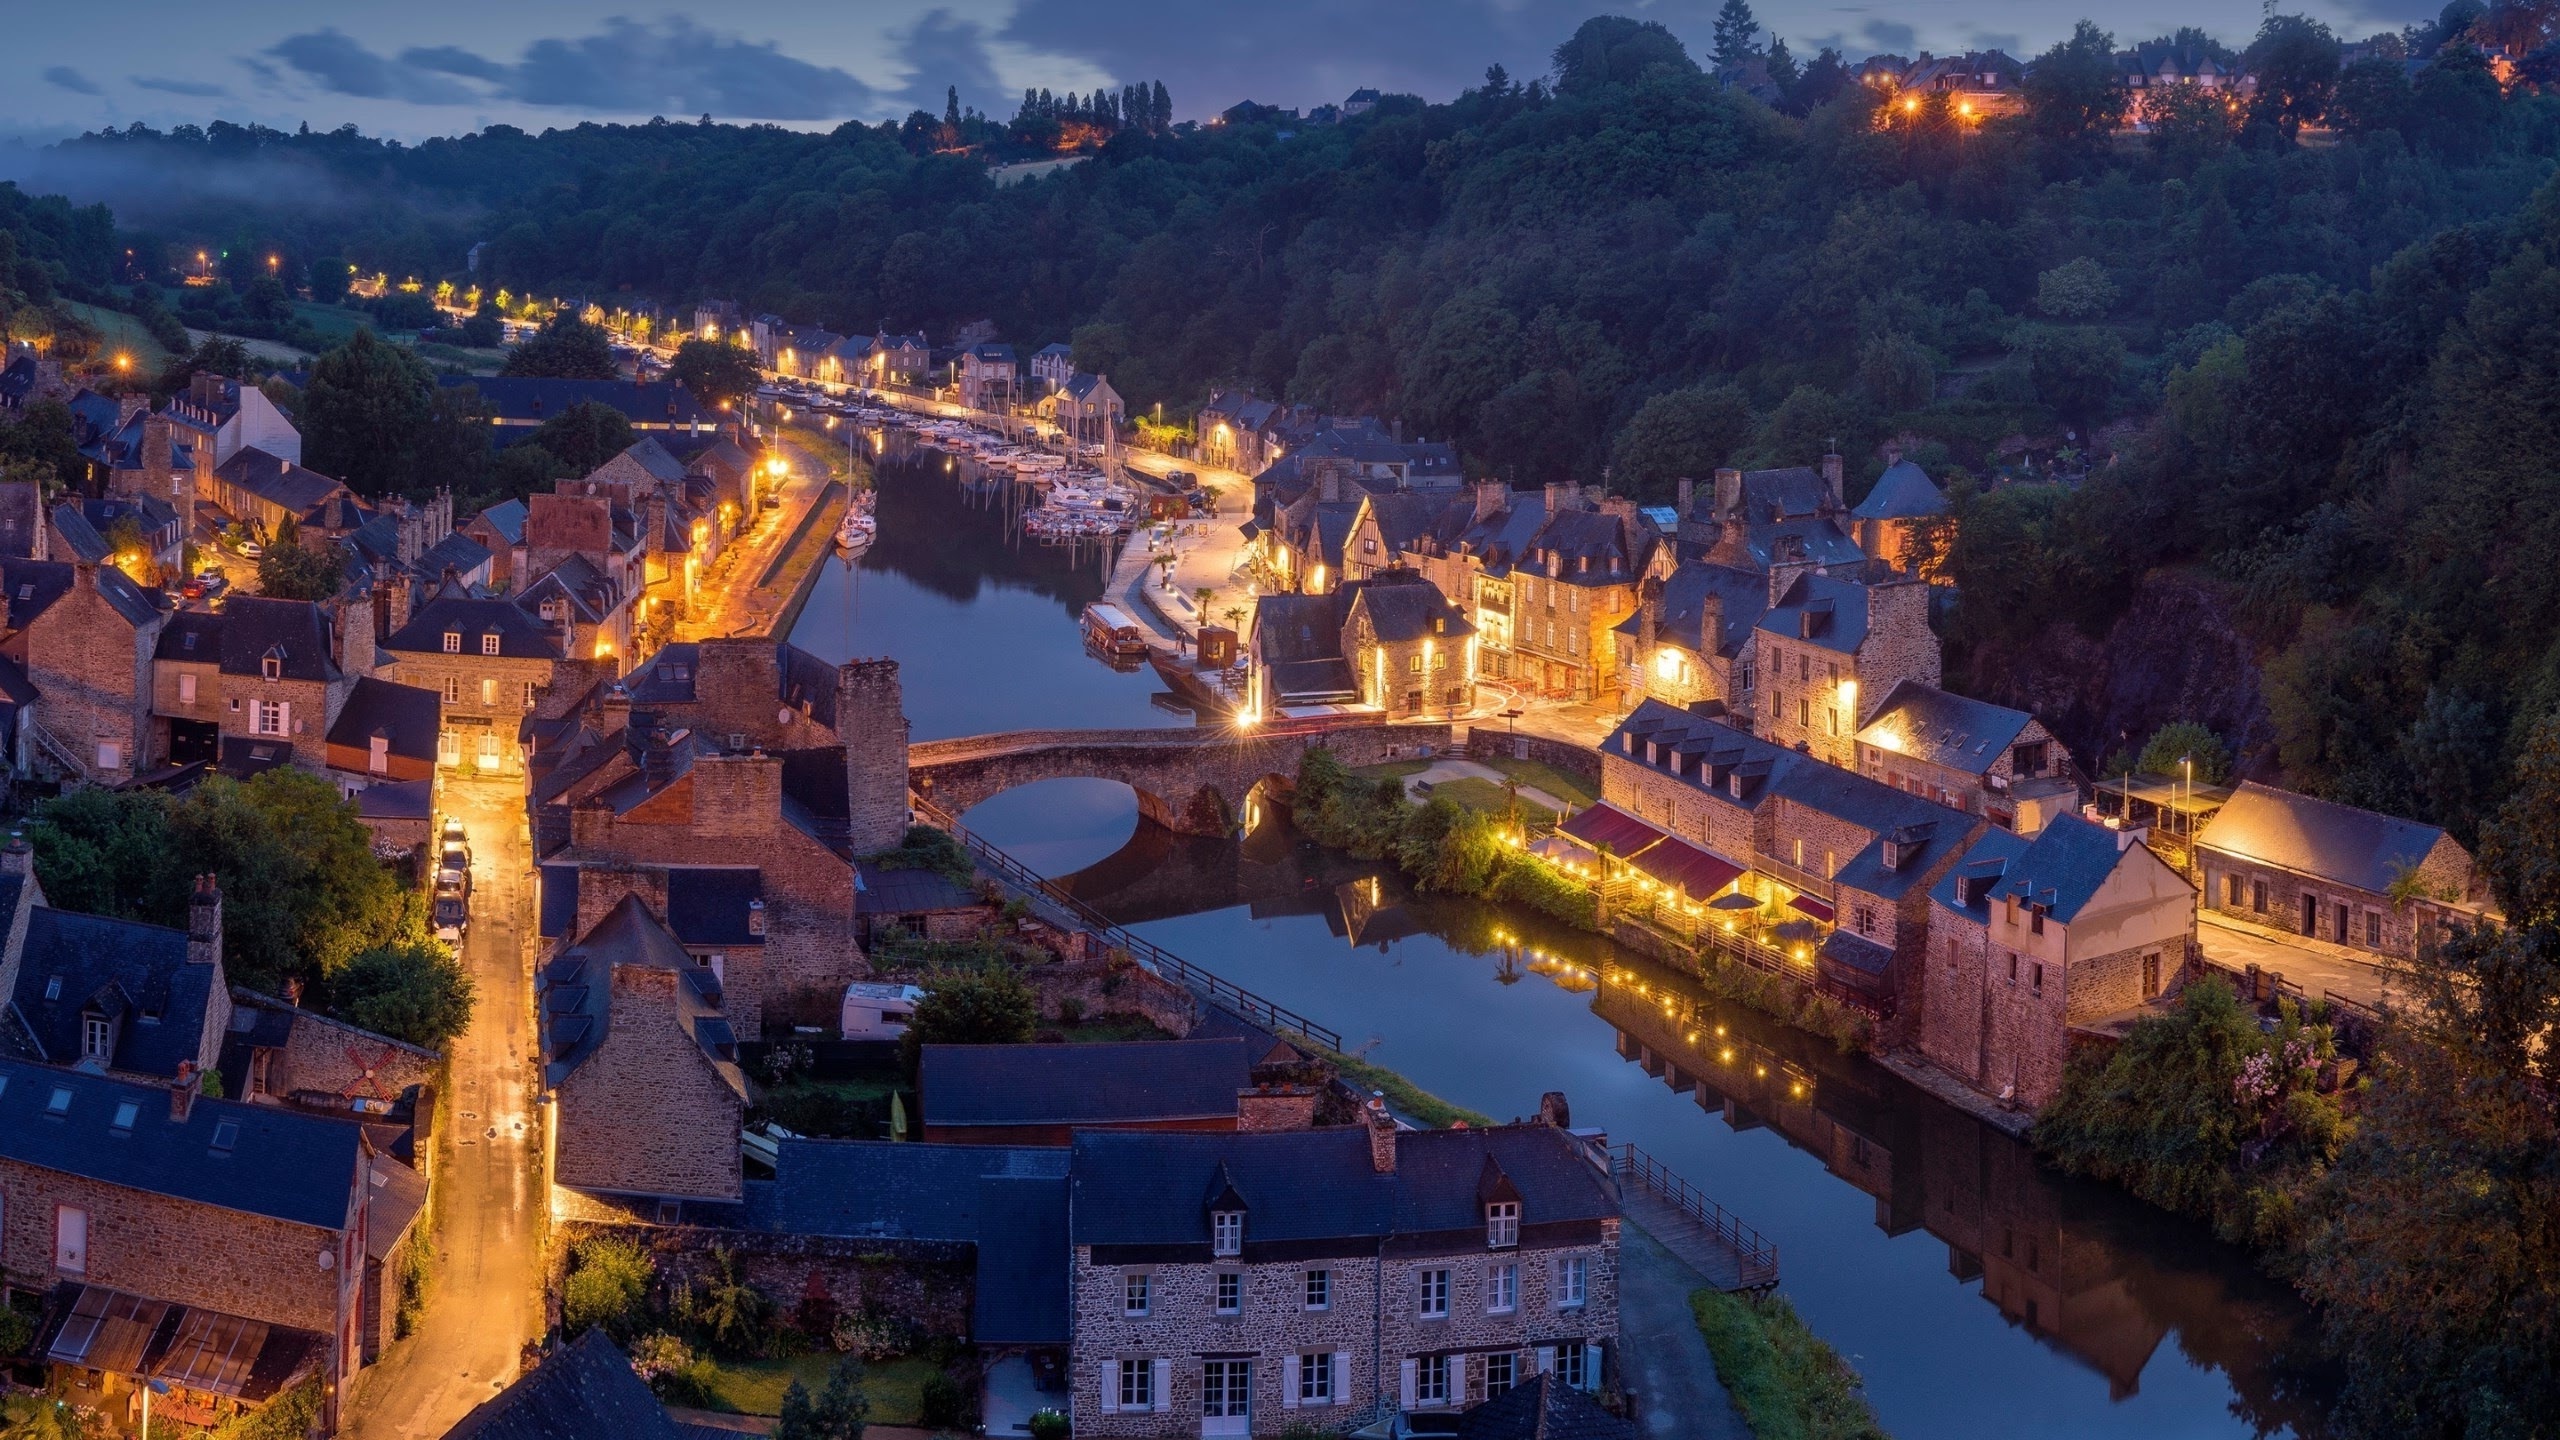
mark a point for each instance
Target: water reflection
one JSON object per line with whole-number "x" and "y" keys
{"x": 1980, "y": 1293}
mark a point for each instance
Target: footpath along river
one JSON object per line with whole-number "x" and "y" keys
{"x": 1980, "y": 1294}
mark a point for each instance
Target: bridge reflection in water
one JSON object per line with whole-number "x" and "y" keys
{"x": 2082, "y": 1269}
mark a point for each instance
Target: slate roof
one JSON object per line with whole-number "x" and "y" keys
{"x": 21, "y": 517}
{"x": 2061, "y": 869}
{"x": 1903, "y": 492}
{"x": 575, "y": 994}
{"x": 577, "y": 580}
{"x": 256, "y": 1159}
{"x": 279, "y": 482}
{"x": 1023, "y": 1262}
{"x": 1836, "y": 609}
{"x": 587, "y": 1390}
{"x": 407, "y": 715}
{"x": 132, "y": 971}
{"x": 79, "y": 536}
{"x": 1574, "y": 537}
{"x": 1743, "y": 596}
{"x": 1926, "y": 723}
{"x": 882, "y": 891}
{"x": 520, "y": 635}
{"x": 31, "y": 587}
{"x": 1786, "y": 492}
{"x": 507, "y": 518}
{"x": 530, "y": 400}
{"x": 895, "y": 1191}
{"x": 709, "y": 905}
{"x": 1543, "y": 1408}
{"x": 667, "y": 677}
{"x": 458, "y": 551}
{"x": 15, "y": 687}
{"x": 399, "y": 800}
{"x": 2357, "y": 848}
{"x": 1413, "y": 610}
{"x": 1288, "y": 628}
{"x": 1151, "y": 1187}
{"x": 296, "y": 632}
{"x": 1133, "y": 1081}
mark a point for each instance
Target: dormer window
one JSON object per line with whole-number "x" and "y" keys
{"x": 271, "y": 665}
{"x": 488, "y": 644}
{"x": 1893, "y": 854}
{"x": 1502, "y": 1224}
{"x": 97, "y": 1038}
{"x": 1226, "y": 1232}
{"x": 453, "y": 642}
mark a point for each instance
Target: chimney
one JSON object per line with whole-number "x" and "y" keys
{"x": 1831, "y": 469}
{"x": 157, "y": 434}
{"x": 1382, "y": 1135}
{"x": 1560, "y": 497}
{"x": 1687, "y": 487}
{"x": 204, "y": 922}
{"x": 617, "y": 709}
{"x": 19, "y": 858}
{"x": 182, "y": 1092}
{"x": 1648, "y": 619}
{"x": 128, "y": 406}
{"x": 1728, "y": 494}
{"x": 1491, "y": 496}
{"x": 1328, "y": 483}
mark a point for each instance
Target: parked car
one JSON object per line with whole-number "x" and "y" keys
{"x": 192, "y": 590}
{"x": 453, "y": 868}
{"x": 214, "y": 582}
{"x": 252, "y": 550}
{"x": 452, "y": 918}
{"x": 453, "y": 834}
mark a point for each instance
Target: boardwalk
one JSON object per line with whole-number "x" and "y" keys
{"x": 1730, "y": 1254}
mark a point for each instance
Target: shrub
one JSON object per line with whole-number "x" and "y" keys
{"x": 874, "y": 1335}
{"x": 608, "y": 1285}
{"x": 1049, "y": 1425}
{"x": 1783, "y": 1378}
{"x": 946, "y": 1404}
{"x": 987, "y": 1007}
{"x": 17, "y": 1332}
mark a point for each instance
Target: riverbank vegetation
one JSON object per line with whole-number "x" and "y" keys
{"x": 2421, "y": 1209}
{"x": 1787, "y": 1381}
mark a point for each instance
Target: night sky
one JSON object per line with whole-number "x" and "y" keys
{"x": 415, "y": 70}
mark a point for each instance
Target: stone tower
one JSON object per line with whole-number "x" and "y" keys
{"x": 872, "y": 723}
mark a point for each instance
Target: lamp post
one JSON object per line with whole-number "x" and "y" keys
{"x": 150, "y": 1387}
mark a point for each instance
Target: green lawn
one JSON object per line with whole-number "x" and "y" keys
{"x": 755, "y": 1387}
{"x": 1403, "y": 1094}
{"x": 1393, "y": 770}
{"x": 1563, "y": 784}
{"x": 1104, "y": 1029}
{"x": 336, "y": 323}
{"x": 1492, "y": 799}
{"x": 1788, "y": 1382}
{"x": 123, "y": 333}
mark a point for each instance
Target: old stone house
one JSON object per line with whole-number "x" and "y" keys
{"x": 591, "y": 547}
{"x": 260, "y": 672}
{"x": 1969, "y": 755}
{"x": 1052, "y": 366}
{"x": 115, "y": 996}
{"x": 2332, "y": 872}
{"x": 489, "y": 662}
{"x": 1888, "y": 524}
{"x": 899, "y": 359}
{"x": 98, "y": 1173}
{"x": 1753, "y": 519}
{"x": 1827, "y": 651}
{"x": 1392, "y": 643}
{"x": 500, "y": 530}
{"x": 1571, "y": 587}
{"x": 642, "y": 1064}
{"x": 1044, "y": 1094}
{"x": 2035, "y": 936}
{"x": 262, "y": 491}
{"x": 716, "y": 912}
{"x": 1087, "y": 409}
{"x": 989, "y": 376}
{"x": 1233, "y": 1284}
{"x": 84, "y": 634}
{"x": 1690, "y": 638}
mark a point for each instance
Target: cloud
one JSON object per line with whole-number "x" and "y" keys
{"x": 200, "y": 89}
{"x": 342, "y": 66}
{"x": 1890, "y": 35}
{"x": 943, "y": 50}
{"x": 72, "y": 80}
{"x": 678, "y": 67}
{"x": 454, "y": 60}
{"x": 1313, "y": 51}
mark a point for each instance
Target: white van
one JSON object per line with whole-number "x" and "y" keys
{"x": 877, "y": 1011}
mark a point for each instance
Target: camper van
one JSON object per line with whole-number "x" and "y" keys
{"x": 876, "y": 1011}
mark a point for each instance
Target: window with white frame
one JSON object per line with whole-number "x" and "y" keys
{"x": 269, "y": 717}
{"x": 1501, "y": 1372}
{"x": 1501, "y": 1289}
{"x": 1573, "y": 1281}
{"x": 1230, "y": 1293}
{"x": 71, "y": 1240}
{"x": 1573, "y": 1364}
{"x": 1431, "y": 1380}
{"x": 488, "y": 692}
{"x": 1226, "y": 1232}
{"x": 97, "y": 1037}
{"x": 1137, "y": 1289}
{"x": 1502, "y": 1224}
{"x": 528, "y": 694}
{"x": 186, "y": 689}
{"x": 453, "y": 642}
{"x": 1316, "y": 1378}
{"x": 488, "y": 644}
{"x": 1435, "y": 1294}
{"x": 1319, "y": 1289}
{"x": 1137, "y": 1385}
{"x": 452, "y": 690}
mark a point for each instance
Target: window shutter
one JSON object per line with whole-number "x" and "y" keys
{"x": 1341, "y": 1386}
{"x": 1546, "y": 1359}
{"x": 1591, "y": 1365}
{"x": 1408, "y": 1387}
{"x": 1289, "y": 1382}
{"x": 1160, "y": 1396}
{"x": 1110, "y": 1387}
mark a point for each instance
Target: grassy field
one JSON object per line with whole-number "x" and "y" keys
{"x": 123, "y": 334}
{"x": 1393, "y": 770}
{"x": 1490, "y": 798}
{"x": 1403, "y": 1094}
{"x": 1108, "y": 1029}
{"x": 755, "y": 1387}
{"x": 336, "y": 323}
{"x": 1788, "y": 1383}
{"x": 1562, "y": 784}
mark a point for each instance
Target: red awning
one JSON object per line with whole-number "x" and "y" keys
{"x": 1624, "y": 834}
{"x": 1684, "y": 867}
{"x": 1810, "y": 906}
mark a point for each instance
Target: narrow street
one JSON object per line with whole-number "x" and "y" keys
{"x": 483, "y": 1296}
{"x": 732, "y": 600}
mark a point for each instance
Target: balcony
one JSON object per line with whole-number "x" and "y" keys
{"x": 1803, "y": 882}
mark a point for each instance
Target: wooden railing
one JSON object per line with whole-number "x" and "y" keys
{"x": 1794, "y": 878}
{"x": 1225, "y": 994}
{"x": 1755, "y": 1255}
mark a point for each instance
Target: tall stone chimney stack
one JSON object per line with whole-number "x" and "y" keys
{"x": 871, "y": 721}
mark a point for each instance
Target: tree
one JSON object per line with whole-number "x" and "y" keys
{"x": 2454, "y": 105}
{"x": 414, "y": 991}
{"x": 2075, "y": 369}
{"x": 2072, "y": 94}
{"x": 714, "y": 372}
{"x": 839, "y": 1412}
{"x": 2181, "y": 744}
{"x": 607, "y": 1285}
{"x": 1824, "y": 77}
{"x": 2075, "y": 290}
{"x": 2296, "y": 61}
{"x": 1614, "y": 50}
{"x": 2190, "y": 124}
{"x": 1685, "y": 434}
{"x": 2520, "y": 847}
{"x": 365, "y": 413}
{"x": 328, "y": 280}
{"x": 1737, "y": 34}
{"x": 214, "y": 355}
{"x": 1897, "y": 371}
{"x": 965, "y": 1007}
{"x": 292, "y": 570}
{"x": 2372, "y": 95}
{"x": 584, "y": 436}
{"x": 566, "y": 348}
{"x": 105, "y": 852}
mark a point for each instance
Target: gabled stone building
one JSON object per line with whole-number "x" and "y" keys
{"x": 1827, "y": 651}
{"x": 84, "y": 634}
{"x": 2332, "y": 872}
{"x": 1969, "y": 755}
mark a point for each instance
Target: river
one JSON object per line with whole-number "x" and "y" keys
{"x": 1978, "y": 1293}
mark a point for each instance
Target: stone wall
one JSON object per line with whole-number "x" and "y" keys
{"x": 928, "y": 1283}
{"x": 872, "y": 723}
{"x": 471, "y": 709}
{"x": 646, "y": 1114}
{"x": 333, "y": 1056}
{"x": 94, "y": 669}
{"x": 1485, "y": 743}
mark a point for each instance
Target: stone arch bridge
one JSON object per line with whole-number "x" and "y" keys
{"x": 1192, "y": 781}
